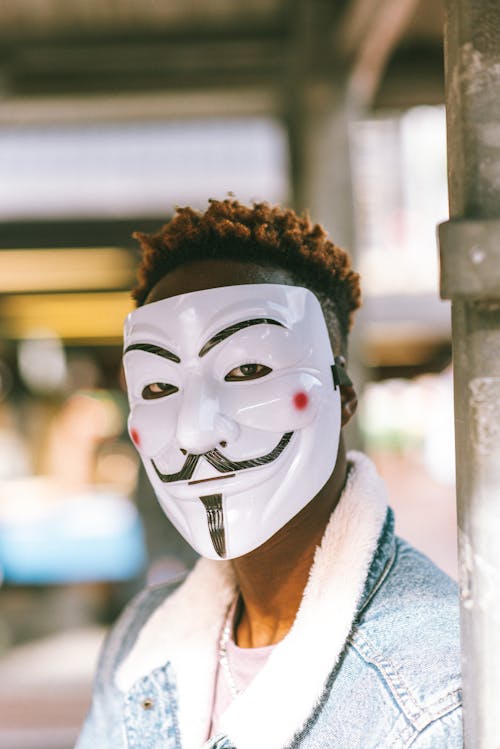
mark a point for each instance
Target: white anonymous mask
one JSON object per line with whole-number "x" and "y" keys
{"x": 234, "y": 409}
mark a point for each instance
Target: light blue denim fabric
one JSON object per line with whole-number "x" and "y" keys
{"x": 397, "y": 684}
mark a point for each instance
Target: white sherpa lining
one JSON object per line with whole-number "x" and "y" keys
{"x": 185, "y": 630}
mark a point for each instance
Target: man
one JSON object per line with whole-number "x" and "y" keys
{"x": 307, "y": 624}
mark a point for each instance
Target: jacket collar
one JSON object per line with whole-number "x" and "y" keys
{"x": 185, "y": 629}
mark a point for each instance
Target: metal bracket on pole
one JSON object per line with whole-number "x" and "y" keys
{"x": 470, "y": 259}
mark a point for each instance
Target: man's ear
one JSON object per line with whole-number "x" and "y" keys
{"x": 348, "y": 403}
{"x": 348, "y": 397}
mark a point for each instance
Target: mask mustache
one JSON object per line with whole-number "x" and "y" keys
{"x": 222, "y": 464}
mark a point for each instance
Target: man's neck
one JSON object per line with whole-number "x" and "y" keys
{"x": 272, "y": 578}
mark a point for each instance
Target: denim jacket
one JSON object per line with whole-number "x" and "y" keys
{"x": 372, "y": 660}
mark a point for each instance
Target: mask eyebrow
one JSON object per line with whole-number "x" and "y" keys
{"x": 231, "y": 329}
{"x": 151, "y": 348}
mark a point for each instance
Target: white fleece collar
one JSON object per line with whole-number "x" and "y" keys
{"x": 185, "y": 629}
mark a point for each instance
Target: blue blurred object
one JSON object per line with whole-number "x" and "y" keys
{"x": 95, "y": 536}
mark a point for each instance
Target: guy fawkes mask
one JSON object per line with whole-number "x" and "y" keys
{"x": 234, "y": 409}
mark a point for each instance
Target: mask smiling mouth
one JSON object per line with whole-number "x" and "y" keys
{"x": 221, "y": 463}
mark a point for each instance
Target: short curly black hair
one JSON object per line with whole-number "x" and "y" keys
{"x": 263, "y": 233}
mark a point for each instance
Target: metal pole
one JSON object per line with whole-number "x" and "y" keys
{"x": 470, "y": 259}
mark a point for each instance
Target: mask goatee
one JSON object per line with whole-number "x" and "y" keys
{"x": 215, "y": 518}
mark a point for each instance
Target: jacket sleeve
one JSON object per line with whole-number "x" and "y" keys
{"x": 103, "y": 727}
{"x": 444, "y": 733}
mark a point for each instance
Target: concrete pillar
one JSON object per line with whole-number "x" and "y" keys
{"x": 316, "y": 117}
{"x": 470, "y": 258}
{"x": 320, "y": 161}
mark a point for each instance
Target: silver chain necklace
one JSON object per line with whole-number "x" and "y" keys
{"x": 223, "y": 659}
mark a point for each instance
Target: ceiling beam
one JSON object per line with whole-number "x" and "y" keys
{"x": 75, "y": 233}
{"x": 150, "y": 106}
{"x": 195, "y": 71}
{"x": 366, "y": 37}
{"x": 123, "y": 63}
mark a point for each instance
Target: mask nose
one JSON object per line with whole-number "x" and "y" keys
{"x": 200, "y": 425}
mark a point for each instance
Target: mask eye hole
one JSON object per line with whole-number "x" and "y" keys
{"x": 247, "y": 372}
{"x": 158, "y": 390}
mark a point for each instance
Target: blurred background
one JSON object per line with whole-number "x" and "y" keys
{"x": 111, "y": 113}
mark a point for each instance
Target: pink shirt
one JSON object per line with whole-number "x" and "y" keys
{"x": 245, "y": 664}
